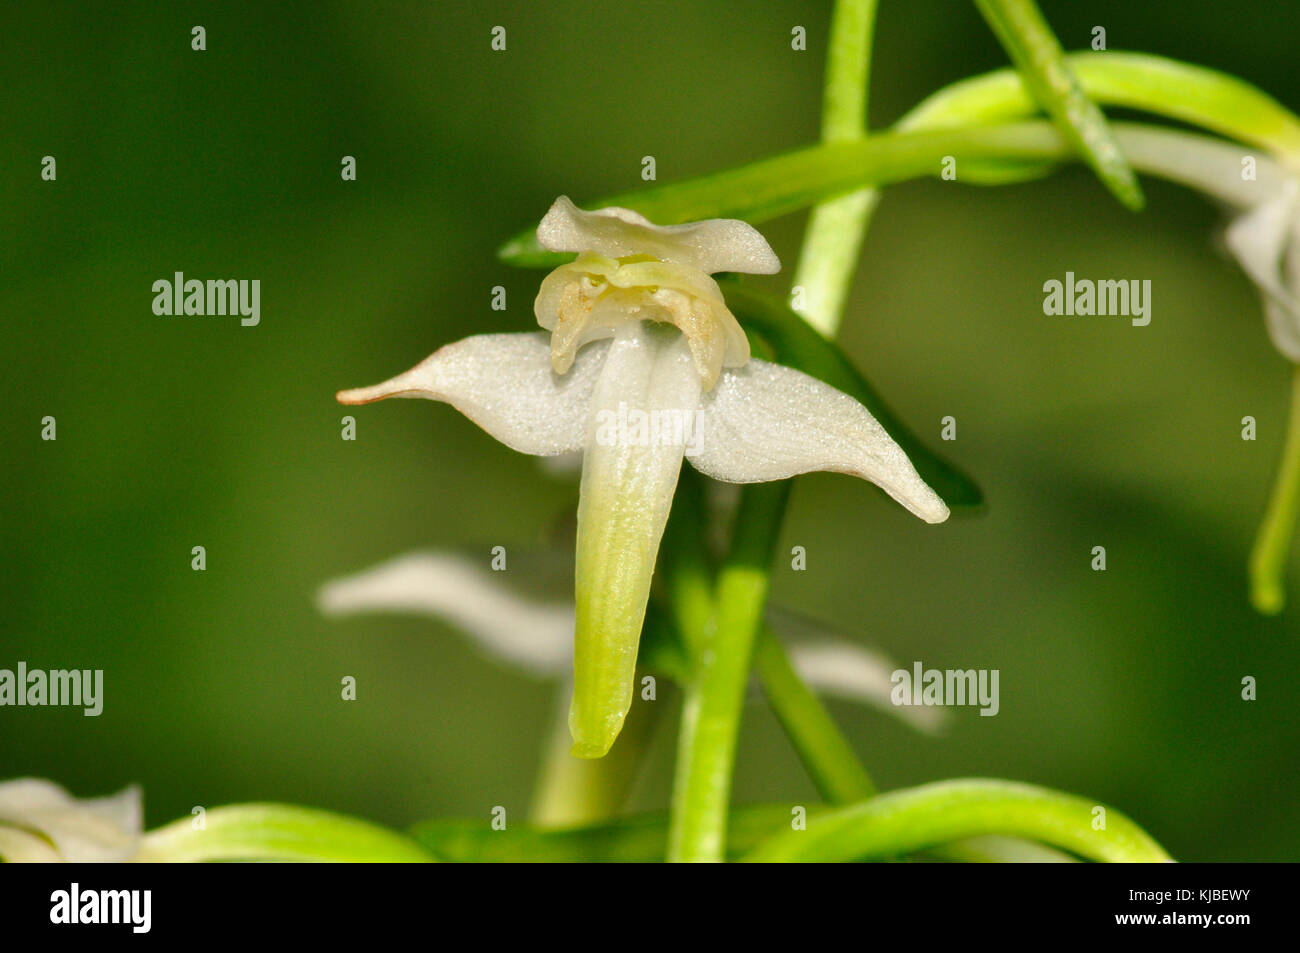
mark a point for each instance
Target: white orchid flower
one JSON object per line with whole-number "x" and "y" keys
{"x": 1263, "y": 198}
{"x": 40, "y": 822}
{"x": 537, "y": 637}
{"x": 645, "y": 366}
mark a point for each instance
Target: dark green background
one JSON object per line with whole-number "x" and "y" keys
{"x": 173, "y": 432}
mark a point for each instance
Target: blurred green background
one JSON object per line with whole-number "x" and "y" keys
{"x": 173, "y": 432}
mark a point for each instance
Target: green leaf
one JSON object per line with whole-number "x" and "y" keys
{"x": 641, "y": 838}
{"x": 794, "y": 343}
{"x": 902, "y": 822}
{"x": 283, "y": 832}
{"x": 1032, "y": 46}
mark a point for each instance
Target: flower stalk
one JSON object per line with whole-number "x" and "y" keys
{"x": 833, "y": 240}
{"x": 714, "y": 699}
{"x": 711, "y": 718}
{"x": 835, "y": 770}
{"x": 1273, "y": 544}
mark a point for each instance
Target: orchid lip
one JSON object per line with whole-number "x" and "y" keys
{"x": 627, "y": 491}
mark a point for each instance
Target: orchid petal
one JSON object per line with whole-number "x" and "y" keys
{"x": 534, "y": 636}
{"x": 628, "y": 480}
{"x": 713, "y": 245}
{"x": 1262, "y": 241}
{"x": 20, "y": 847}
{"x": 1283, "y": 324}
{"x": 506, "y": 385}
{"x": 1209, "y": 165}
{"x": 1283, "y": 320}
{"x": 93, "y": 830}
{"x": 770, "y": 422}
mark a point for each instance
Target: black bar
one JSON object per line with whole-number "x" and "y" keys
{"x": 905, "y": 902}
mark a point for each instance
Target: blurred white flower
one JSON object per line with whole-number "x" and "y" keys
{"x": 1266, "y": 242}
{"x": 533, "y": 636}
{"x": 1263, "y": 198}
{"x": 839, "y": 668}
{"x": 40, "y": 822}
{"x": 617, "y": 381}
{"x": 537, "y": 637}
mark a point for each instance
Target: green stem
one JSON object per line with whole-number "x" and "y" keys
{"x": 687, "y": 575}
{"x": 714, "y": 698}
{"x": 834, "y": 768}
{"x": 786, "y": 183}
{"x": 833, "y": 240}
{"x": 905, "y": 821}
{"x": 711, "y": 717}
{"x": 1273, "y": 543}
{"x": 1175, "y": 90}
{"x": 1033, "y": 47}
{"x": 795, "y": 180}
